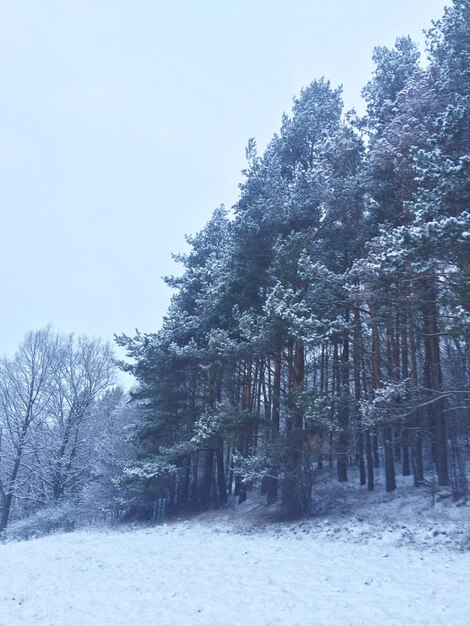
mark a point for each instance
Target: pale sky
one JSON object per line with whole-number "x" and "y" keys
{"x": 123, "y": 125}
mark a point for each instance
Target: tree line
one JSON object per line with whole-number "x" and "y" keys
{"x": 319, "y": 327}
{"x": 324, "y": 321}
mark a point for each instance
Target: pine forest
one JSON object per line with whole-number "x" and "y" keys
{"x": 322, "y": 324}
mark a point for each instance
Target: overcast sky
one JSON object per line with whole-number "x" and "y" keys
{"x": 123, "y": 125}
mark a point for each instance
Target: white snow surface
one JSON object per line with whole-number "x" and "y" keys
{"x": 224, "y": 569}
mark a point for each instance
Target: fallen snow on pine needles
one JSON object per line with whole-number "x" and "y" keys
{"x": 215, "y": 571}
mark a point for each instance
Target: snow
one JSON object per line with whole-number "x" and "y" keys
{"x": 219, "y": 570}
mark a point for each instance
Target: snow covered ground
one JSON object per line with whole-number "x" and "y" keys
{"x": 221, "y": 570}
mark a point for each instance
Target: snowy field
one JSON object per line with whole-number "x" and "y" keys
{"x": 215, "y": 570}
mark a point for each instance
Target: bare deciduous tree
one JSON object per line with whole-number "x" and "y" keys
{"x": 48, "y": 399}
{"x": 25, "y": 397}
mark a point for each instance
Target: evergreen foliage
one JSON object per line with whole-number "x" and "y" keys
{"x": 326, "y": 324}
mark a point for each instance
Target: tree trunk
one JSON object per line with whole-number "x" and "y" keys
{"x": 343, "y": 414}
{"x": 272, "y": 480}
{"x": 390, "y": 484}
{"x": 6, "y": 508}
{"x": 357, "y": 394}
{"x": 7, "y": 498}
{"x": 417, "y": 445}
{"x": 221, "y": 484}
{"x": 183, "y": 495}
{"x": 433, "y": 378}
{"x": 241, "y": 488}
{"x": 368, "y": 434}
{"x": 294, "y": 489}
{"x": 405, "y": 435}
{"x": 206, "y": 480}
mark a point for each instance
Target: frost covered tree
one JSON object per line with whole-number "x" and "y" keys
{"x": 420, "y": 252}
{"x": 25, "y": 398}
{"x": 83, "y": 373}
{"x": 180, "y": 370}
{"x": 48, "y": 401}
{"x": 324, "y": 327}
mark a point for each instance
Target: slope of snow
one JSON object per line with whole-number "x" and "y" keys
{"x": 206, "y": 572}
